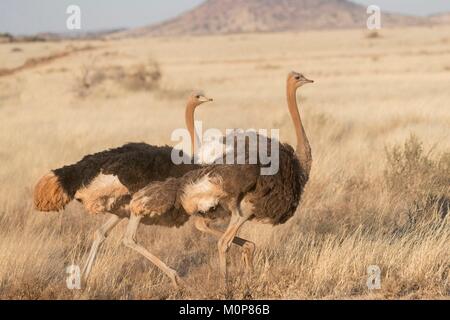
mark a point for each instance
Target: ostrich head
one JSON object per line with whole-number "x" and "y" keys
{"x": 197, "y": 98}
{"x": 296, "y": 80}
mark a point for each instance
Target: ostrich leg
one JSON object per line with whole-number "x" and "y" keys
{"x": 248, "y": 247}
{"x": 99, "y": 237}
{"x": 130, "y": 242}
{"x": 237, "y": 220}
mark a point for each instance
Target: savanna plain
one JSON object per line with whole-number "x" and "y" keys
{"x": 377, "y": 117}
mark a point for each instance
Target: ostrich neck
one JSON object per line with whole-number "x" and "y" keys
{"x": 190, "y": 125}
{"x": 303, "y": 149}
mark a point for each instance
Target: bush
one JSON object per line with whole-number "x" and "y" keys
{"x": 133, "y": 78}
{"x": 413, "y": 176}
{"x": 143, "y": 77}
{"x": 373, "y": 35}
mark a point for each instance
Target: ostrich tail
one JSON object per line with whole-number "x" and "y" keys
{"x": 49, "y": 194}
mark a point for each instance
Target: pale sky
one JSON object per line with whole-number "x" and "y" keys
{"x": 33, "y": 16}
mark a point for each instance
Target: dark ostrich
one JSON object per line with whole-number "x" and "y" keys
{"x": 105, "y": 182}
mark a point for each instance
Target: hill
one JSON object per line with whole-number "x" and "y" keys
{"x": 238, "y": 16}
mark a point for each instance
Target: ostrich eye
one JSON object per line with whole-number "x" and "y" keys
{"x": 297, "y": 77}
{"x": 198, "y": 97}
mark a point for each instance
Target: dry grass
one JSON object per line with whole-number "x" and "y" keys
{"x": 376, "y": 194}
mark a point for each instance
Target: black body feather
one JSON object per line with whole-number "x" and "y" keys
{"x": 135, "y": 165}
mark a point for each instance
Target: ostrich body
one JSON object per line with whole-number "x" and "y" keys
{"x": 240, "y": 190}
{"x": 105, "y": 182}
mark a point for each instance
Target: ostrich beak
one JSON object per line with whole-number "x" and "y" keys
{"x": 205, "y": 99}
{"x": 305, "y": 80}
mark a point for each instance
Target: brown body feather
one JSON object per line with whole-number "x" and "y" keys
{"x": 276, "y": 197}
{"x": 159, "y": 204}
{"x": 270, "y": 198}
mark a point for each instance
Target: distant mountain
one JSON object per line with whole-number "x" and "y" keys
{"x": 236, "y": 16}
{"x": 51, "y": 36}
{"x": 442, "y": 18}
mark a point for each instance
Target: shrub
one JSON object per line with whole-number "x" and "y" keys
{"x": 373, "y": 35}
{"x": 133, "y": 78}
{"x": 413, "y": 176}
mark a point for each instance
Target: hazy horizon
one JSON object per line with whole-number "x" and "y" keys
{"x": 30, "y": 17}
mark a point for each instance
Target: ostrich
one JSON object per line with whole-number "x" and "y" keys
{"x": 104, "y": 182}
{"x": 240, "y": 190}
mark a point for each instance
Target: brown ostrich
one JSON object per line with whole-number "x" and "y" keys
{"x": 105, "y": 182}
{"x": 239, "y": 190}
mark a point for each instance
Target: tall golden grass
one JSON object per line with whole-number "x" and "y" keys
{"x": 378, "y": 121}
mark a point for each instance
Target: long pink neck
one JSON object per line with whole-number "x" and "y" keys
{"x": 190, "y": 125}
{"x": 303, "y": 149}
